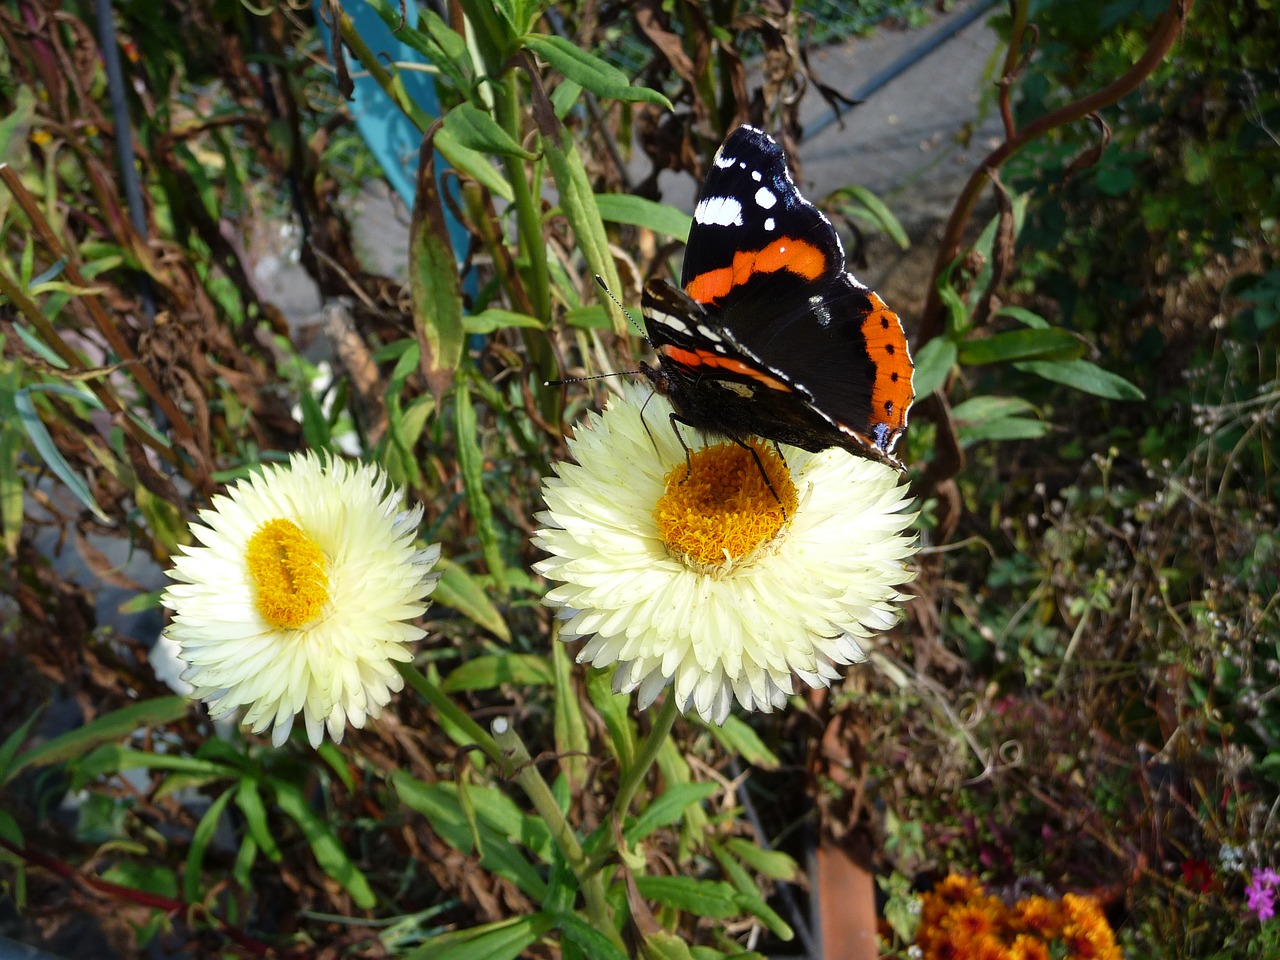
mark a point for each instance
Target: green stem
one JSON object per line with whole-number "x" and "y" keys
{"x": 391, "y": 85}
{"x": 506, "y": 94}
{"x": 658, "y": 734}
{"x": 430, "y": 692}
{"x": 631, "y": 780}
{"x": 520, "y": 765}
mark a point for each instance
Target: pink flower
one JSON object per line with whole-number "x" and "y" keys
{"x": 1262, "y": 894}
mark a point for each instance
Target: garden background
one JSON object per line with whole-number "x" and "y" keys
{"x": 1081, "y": 697}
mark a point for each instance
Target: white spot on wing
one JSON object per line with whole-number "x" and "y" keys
{"x": 672, "y": 323}
{"x": 765, "y": 197}
{"x": 724, "y": 162}
{"x": 720, "y": 211}
{"x": 756, "y": 176}
{"x": 769, "y": 223}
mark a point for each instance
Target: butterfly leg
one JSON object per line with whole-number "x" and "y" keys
{"x": 688, "y": 457}
{"x": 763, "y": 473}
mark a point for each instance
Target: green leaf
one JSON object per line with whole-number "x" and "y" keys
{"x": 324, "y": 844}
{"x": 594, "y": 944}
{"x": 471, "y": 461}
{"x": 495, "y": 318}
{"x": 572, "y": 742}
{"x": 933, "y": 362}
{"x": 16, "y": 125}
{"x": 1010, "y": 428}
{"x": 114, "y": 758}
{"x": 579, "y": 204}
{"x": 564, "y": 97}
{"x": 138, "y": 876}
{"x": 958, "y": 319}
{"x": 662, "y": 945}
{"x": 10, "y": 831}
{"x": 738, "y": 737}
{"x": 667, "y": 808}
{"x": 601, "y": 78}
{"x": 200, "y": 839}
{"x": 249, "y": 800}
{"x": 441, "y": 46}
{"x": 473, "y": 162}
{"x": 640, "y": 212}
{"x": 701, "y": 898}
{"x": 333, "y": 758}
{"x": 11, "y": 510}
{"x": 773, "y": 864}
{"x": 749, "y": 893}
{"x": 1014, "y": 345}
{"x": 246, "y": 857}
{"x": 461, "y": 591}
{"x": 113, "y": 726}
{"x": 315, "y": 425}
{"x": 504, "y": 940}
{"x": 440, "y": 804}
{"x": 675, "y": 772}
{"x": 487, "y": 672}
{"x": 593, "y": 317}
{"x": 1024, "y": 316}
{"x": 9, "y": 749}
{"x": 615, "y": 710}
{"x": 978, "y": 409}
{"x": 1084, "y": 376}
{"x": 434, "y": 283}
{"x": 49, "y": 452}
{"x": 475, "y": 129}
{"x": 870, "y": 209}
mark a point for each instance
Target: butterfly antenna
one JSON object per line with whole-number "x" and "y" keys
{"x": 597, "y": 376}
{"x": 600, "y": 376}
{"x": 625, "y": 312}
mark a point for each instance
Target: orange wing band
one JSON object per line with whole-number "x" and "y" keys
{"x": 699, "y": 359}
{"x": 892, "y": 392}
{"x": 786, "y": 253}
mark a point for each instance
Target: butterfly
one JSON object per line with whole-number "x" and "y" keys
{"x": 768, "y": 334}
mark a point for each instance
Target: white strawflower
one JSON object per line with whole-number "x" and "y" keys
{"x": 703, "y": 578}
{"x": 299, "y": 597}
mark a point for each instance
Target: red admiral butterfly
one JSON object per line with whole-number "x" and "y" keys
{"x": 770, "y": 335}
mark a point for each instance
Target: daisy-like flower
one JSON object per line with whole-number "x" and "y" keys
{"x": 299, "y": 595}
{"x": 707, "y": 576}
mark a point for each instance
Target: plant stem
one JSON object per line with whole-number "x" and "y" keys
{"x": 519, "y": 764}
{"x": 658, "y": 734}
{"x": 478, "y": 736}
{"x": 1167, "y": 31}
{"x": 631, "y": 780}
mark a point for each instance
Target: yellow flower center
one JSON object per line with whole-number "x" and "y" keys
{"x": 725, "y": 509}
{"x": 289, "y": 571}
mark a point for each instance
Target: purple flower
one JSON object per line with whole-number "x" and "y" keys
{"x": 1261, "y": 893}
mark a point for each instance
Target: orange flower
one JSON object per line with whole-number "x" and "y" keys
{"x": 947, "y": 893}
{"x": 1039, "y": 916}
{"x": 974, "y": 920}
{"x": 960, "y": 921}
{"x": 988, "y": 948}
{"x": 1086, "y": 932}
{"x": 1026, "y": 947}
{"x": 957, "y": 888}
